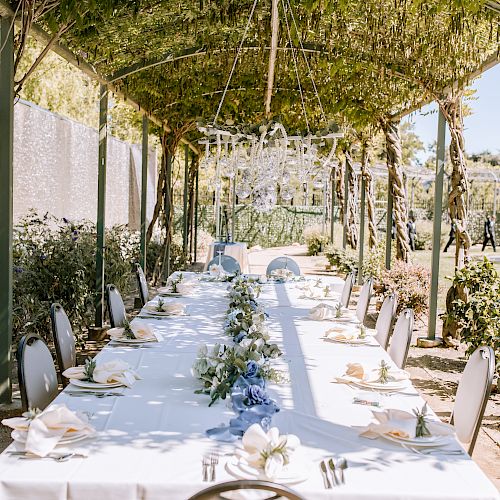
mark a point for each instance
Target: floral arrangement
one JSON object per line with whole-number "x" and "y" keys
{"x": 240, "y": 371}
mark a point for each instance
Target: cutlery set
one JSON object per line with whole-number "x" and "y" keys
{"x": 329, "y": 468}
{"x": 82, "y": 394}
{"x": 208, "y": 464}
{"x": 57, "y": 457}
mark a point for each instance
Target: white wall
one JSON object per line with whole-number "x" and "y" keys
{"x": 55, "y": 170}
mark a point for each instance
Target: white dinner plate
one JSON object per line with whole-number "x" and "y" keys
{"x": 94, "y": 385}
{"x": 239, "y": 468}
{"x": 170, "y": 294}
{"x": 124, "y": 340}
{"x": 164, "y": 313}
{"x": 68, "y": 438}
{"x": 377, "y": 386}
{"x": 426, "y": 441}
{"x": 350, "y": 341}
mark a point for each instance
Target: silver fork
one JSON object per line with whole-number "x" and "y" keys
{"x": 205, "y": 463}
{"x": 214, "y": 460}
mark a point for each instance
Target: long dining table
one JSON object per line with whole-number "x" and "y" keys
{"x": 150, "y": 441}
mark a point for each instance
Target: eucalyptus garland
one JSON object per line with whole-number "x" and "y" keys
{"x": 248, "y": 360}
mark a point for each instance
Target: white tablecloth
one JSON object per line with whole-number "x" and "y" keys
{"x": 237, "y": 250}
{"x": 151, "y": 441}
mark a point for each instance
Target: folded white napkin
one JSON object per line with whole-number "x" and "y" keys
{"x": 185, "y": 287}
{"x": 401, "y": 424}
{"x": 45, "y": 430}
{"x": 256, "y": 442}
{"x": 142, "y": 331}
{"x": 216, "y": 270}
{"x": 282, "y": 273}
{"x": 106, "y": 373}
{"x": 322, "y": 312}
{"x": 356, "y": 372}
{"x": 342, "y": 334}
{"x": 174, "y": 308}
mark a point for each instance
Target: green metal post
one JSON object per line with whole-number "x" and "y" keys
{"x": 168, "y": 208}
{"x": 388, "y": 233}
{"x": 361, "y": 231}
{"x": 346, "y": 204}
{"x": 436, "y": 231}
{"x": 185, "y": 200}
{"x": 332, "y": 218}
{"x": 101, "y": 205}
{"x": 144, "y": 188}
{"x": 6, "y": 211}
{"x": 196, "y": 216}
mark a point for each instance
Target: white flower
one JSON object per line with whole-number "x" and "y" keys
{"x": 269, "y": 451}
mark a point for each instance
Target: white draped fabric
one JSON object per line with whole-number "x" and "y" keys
{"x": 151, "y": 441}
{"x": 237, "y": 250}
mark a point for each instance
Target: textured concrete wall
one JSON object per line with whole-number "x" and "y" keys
{"x": 55, "y": 170}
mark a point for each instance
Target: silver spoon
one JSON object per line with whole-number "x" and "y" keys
{"x": 342, "y": 465}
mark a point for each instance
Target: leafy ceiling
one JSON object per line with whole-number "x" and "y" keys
{"x": 369, "y": 58}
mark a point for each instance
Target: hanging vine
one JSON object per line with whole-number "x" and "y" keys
{"x": 396, "y": 180}
{"x": 352, "y": 202}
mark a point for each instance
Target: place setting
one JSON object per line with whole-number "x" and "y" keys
{"x": 178, "y": 285}
{"x": 50, "y": 434}
{"x": 355, "y": 335}
{"x": 135, "y": 334}
{"x": 162, "y": 309}
{"x": 100, "y": 379}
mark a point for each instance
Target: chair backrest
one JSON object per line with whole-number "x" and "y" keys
{"x": 142, "y": 284}
{"x": 401, "y": 338}
{"x": 36, "y": 372}
{"x": 228, "y": 263}
{"x": 472, "y": 395}
{"x": 385, "y": 319}
{"x": 345, "y": 296}
{"x": 283, "y": 262}
{"x": 116, "y": 307}
{"x": 64, "y": 339}
{"x": 364, "y": 300}
{"x": 214, "y": 492}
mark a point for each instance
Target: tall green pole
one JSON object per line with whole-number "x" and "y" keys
{"x": 361, "y": 231}
{"x": 196, "y": 215}
{"x": 168, "y": 218}
{"x": 388, "y": 233}
{"x": 101, "y": 205}
{"x": 346, "y": 204}
{"x": 185, "y": 200}
{"x": 436, "y": 231}
{"x": 144, "y": 188}
{"x": 332, "y": 218}
{"x": 6, "y": 211}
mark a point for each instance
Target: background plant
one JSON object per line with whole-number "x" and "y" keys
{"x": 315, "y": 239}
{"x": 477, "y": 314}
{"x": 344, "y": 261}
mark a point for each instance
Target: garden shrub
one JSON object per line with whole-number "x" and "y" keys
{"x": 54, "y": 261}
{"x": 374, "y": 262}
{"x": 344, "y": 261}
{"x": 477, "y": 315}
{"x": 315, "y": 239}
{"x": 411, "y": 282}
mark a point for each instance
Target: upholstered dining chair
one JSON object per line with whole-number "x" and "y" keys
{"x": 142, "y": 284}
{"x": 36, "y": 372}
{"x": 385, "y": 319}
{"x": 214, "y": 492}
{"x": 228, "y": 263}
{"x": 345, "y": 296}
{"x": 116, "y": 307}
{"x": 472, "y": 395}
{"x": 64, "y": 339}
{"x": 283, "y": 262}
{"x": 364, "y": 300}
{"x": 401, "y": 338}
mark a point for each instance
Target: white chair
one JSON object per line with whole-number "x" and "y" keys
{"x": 142, "y": 284}
{"x": 283, "y": 262}
{"x": 214, "y": 492}
{"x": 401, "y": 338}
{"x": 345, "y": 296}
{"x": 472, "y": 395}
{"x": 364, "y": 300}
{"x": 116, "y": 307}
{"x": 228, "y": 263}
{"x": 64, "y": 339}
{"x": 36, "y": 372}
{"x": 385, "y": 320}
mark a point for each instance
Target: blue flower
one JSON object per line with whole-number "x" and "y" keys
{"x": 240, "y": 336}
{"x": 255, "y": 395}
{"x": 18, "y": 269}
{"x": 252, "y": 369}
{"x": 43, "y": 256}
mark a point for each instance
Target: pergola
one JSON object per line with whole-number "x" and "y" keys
{"x": 373, "y": 61}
